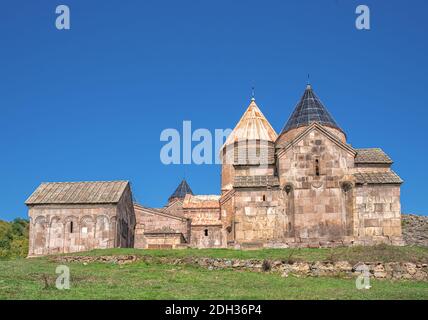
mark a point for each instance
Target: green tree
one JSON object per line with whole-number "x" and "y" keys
{"x": 14, "y": 238}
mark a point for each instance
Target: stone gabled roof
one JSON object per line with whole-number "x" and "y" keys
{"x": 388, "y": 177}
{"x": 308, "y": 110}
{"x": 253, "y": 125}
{"x": 255, "y": 181}
{"x": 95, "y": 192}
{"x": 182, "y": 190}
{"x": 372, "y": 156}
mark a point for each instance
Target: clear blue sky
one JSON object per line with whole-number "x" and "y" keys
{"x": 90, "y": 103}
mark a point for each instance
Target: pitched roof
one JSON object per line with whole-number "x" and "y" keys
{"x": 181, "y": 191}
{"x": 255, "y": 181}
{"x": 309, "y": 109}
{"x": 253, "y": 125}
{"x": 372, "y": 155}
{"x": 78, "y": 192}
{"x": 388, "y": 177}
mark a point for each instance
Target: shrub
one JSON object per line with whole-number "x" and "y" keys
{"x": 14, "y": 238}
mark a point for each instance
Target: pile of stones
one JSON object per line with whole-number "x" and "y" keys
{"x": 120, "y": 259}
{"x": 379, "y": 270}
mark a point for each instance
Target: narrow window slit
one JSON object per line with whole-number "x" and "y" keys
{"x": 317, "y": 167}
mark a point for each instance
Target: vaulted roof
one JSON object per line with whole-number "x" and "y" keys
{"x": 310, "y": 109}
{"x": 181, "y": 191}
{"x": 93, "y": 192}
{"x": 253, "y": 125}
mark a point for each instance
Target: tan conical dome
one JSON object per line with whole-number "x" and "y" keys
{"x": 252, "y": 126}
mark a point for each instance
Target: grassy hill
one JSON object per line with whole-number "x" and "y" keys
{"x": 35, "y": 278}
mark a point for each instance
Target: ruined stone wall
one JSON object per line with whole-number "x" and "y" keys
{"x": 71, "y": 228}
{"x": 379, "y": 214}
{"x": 317, "y": 169}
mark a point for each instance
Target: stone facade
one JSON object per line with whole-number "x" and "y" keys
{"x": 306, "y": 187}
{"x": 317, "y": 190}
{"x": 205, "y": 216}
{"x": 73, "y": 217}
{"x": 157, "y": 229}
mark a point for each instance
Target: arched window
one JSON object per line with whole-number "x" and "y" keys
{"x": 206, "y": 232}
{"x": 71, "y": 226}
{"x": 317, "y": 167}
{"x": 264, "y": 198}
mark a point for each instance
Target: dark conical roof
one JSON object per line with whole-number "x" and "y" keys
{"x": 181, "y": 191}
{"x": 309, "y": 109}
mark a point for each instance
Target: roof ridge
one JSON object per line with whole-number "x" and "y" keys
{"x": 87, "y": 181}
{"x": 78, "y": 192}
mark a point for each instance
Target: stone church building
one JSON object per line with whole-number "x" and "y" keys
{"x": 80, "y": 216}
{"x": 306, "y": 187}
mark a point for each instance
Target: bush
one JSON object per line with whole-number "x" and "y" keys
{"x": 14, "y": 238}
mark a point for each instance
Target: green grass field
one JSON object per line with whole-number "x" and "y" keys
{"x": 35, "y": 278}
{"x": 381, "y": 253}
